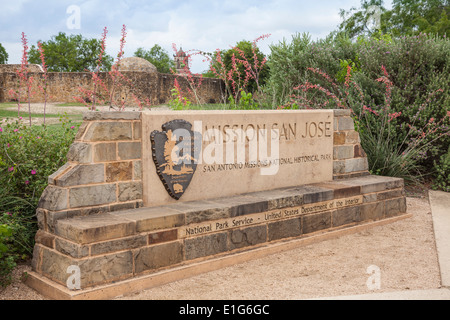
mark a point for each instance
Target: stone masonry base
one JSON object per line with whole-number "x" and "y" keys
{"x": 125, "y": 251}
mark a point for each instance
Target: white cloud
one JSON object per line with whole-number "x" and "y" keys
{"x": 193, "y": 24}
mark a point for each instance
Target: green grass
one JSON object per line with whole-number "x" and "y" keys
{"x": 24, "y": 113}
{"x": 70, "y": 104}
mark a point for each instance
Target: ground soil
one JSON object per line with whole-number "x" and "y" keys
{"x": 404, "y": 252}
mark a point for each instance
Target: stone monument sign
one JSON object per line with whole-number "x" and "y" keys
{"x": 219, "y": 154}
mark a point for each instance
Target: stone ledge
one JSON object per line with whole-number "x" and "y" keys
{"x": 114, "y": 246}
{"x": 58, "y": 291}
{"x": 111, "y": 115}
{"x": 108, "y": 226}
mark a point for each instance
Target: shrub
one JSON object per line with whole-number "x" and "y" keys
{"x": 7, "y": 260}
{"x": 28, "y": 155}
{"x": 442, "y": 181}
{"x": 316, "y": 75}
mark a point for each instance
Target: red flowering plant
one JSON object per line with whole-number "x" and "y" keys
{"x": 243, "y": 68}
{"x": 24, "y": 81}
{"x": 184, "y": 75}
{"x": 396, "y": 145}
{"x": 106, "y": 86}
{"x": 44, "y": 76}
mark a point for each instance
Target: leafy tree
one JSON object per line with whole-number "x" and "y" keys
{"x": 364, "y": 21}
{"x": 3, "y": 55}
{"x": 71, "y": 53}
{"x": 410, "y": 17}
{"x": 407, "y": 17}
{"x": 158, "y": 57}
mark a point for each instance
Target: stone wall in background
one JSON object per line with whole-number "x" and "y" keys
{"x": 154, "y": 86}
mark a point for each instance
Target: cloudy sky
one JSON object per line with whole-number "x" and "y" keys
{"x": 193, "y": 24}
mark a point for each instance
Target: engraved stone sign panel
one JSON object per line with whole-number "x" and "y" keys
{"x": 199, "y": 155}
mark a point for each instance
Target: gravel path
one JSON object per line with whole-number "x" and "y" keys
{"x": 404, "y": 252}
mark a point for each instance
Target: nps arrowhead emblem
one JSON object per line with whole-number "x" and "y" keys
{"x": 175, "y": 152}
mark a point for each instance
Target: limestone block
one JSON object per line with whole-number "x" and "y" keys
{"x": 137, "y": 170}
{"x": 129, "y": 150}
{"x": 82, "y": 174}
{"x": 395, "y": 206}
{"x": 241, "y": 205}
{"x": 316, "y": 222}
{"x": 45, "y": 238}
{"x": 53, "y": 264}
{"x": 247, "y": 237}
{"x": 92, "y": 195}
{"x": 339, "y": 138}
{"x": 108, "y": 131}
{"x": 60, "y": 171}
{"x": 94, "y": 228}
{"x": 130, "y": 191}
{"x": 345, "y": 216}
{"x": 205, "y": 245}
{"x": 137, "y": 130}
{"x": 54, "y": 199}
{"x": 342, "y": 112}
{"x": 312, "y": 194}
{"x": 119, "y": 171}
{"x": 104, "y": 152}
{"x": 343, "y": 152}
{"x": 106, "y": 268}
{"x": 163, "y": 236}
{"x": 71, "y": 249}
{"x": 352, "y": 137}
{"x": 372, "y": 211}
{"x": 158, "y": 256}
{"x": 80, "y": 152}
{"x": 118, "y": 245}
{"x": 150, "y": 219}
{"x": 346, "y": 123}
{"x": 199, "y": 211}
{"x": 284, "y": 229}
{"x": 82, "y": 130}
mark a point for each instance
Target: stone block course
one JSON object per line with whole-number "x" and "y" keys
{"x": 129, "y": 150}
{"x": 81, "y": 175}
{"x": 92, "y": 195}
{"x": 158, "y": 256}
{"x": 71, "y": 249}
{"x": 104, "y": 152}
{"x": 150, "y": 219}
{"x": 94, "y": 228}
{"x": 130, "y": 191}
{"x": 345, "y": 123}
{"x": 245, "y": 237}
{"x": 108, "y": 131}
{"x": 346, "y": 216}
{"x": 284, "y": 229}
{"x": 80, "y": 152}
{"x": 54, "y": 198}
{"x": 121, "y": 244}
{"x": 206, "y": 245}
{"x": 316, "y": 222}
{"x": 119, "y": 171}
